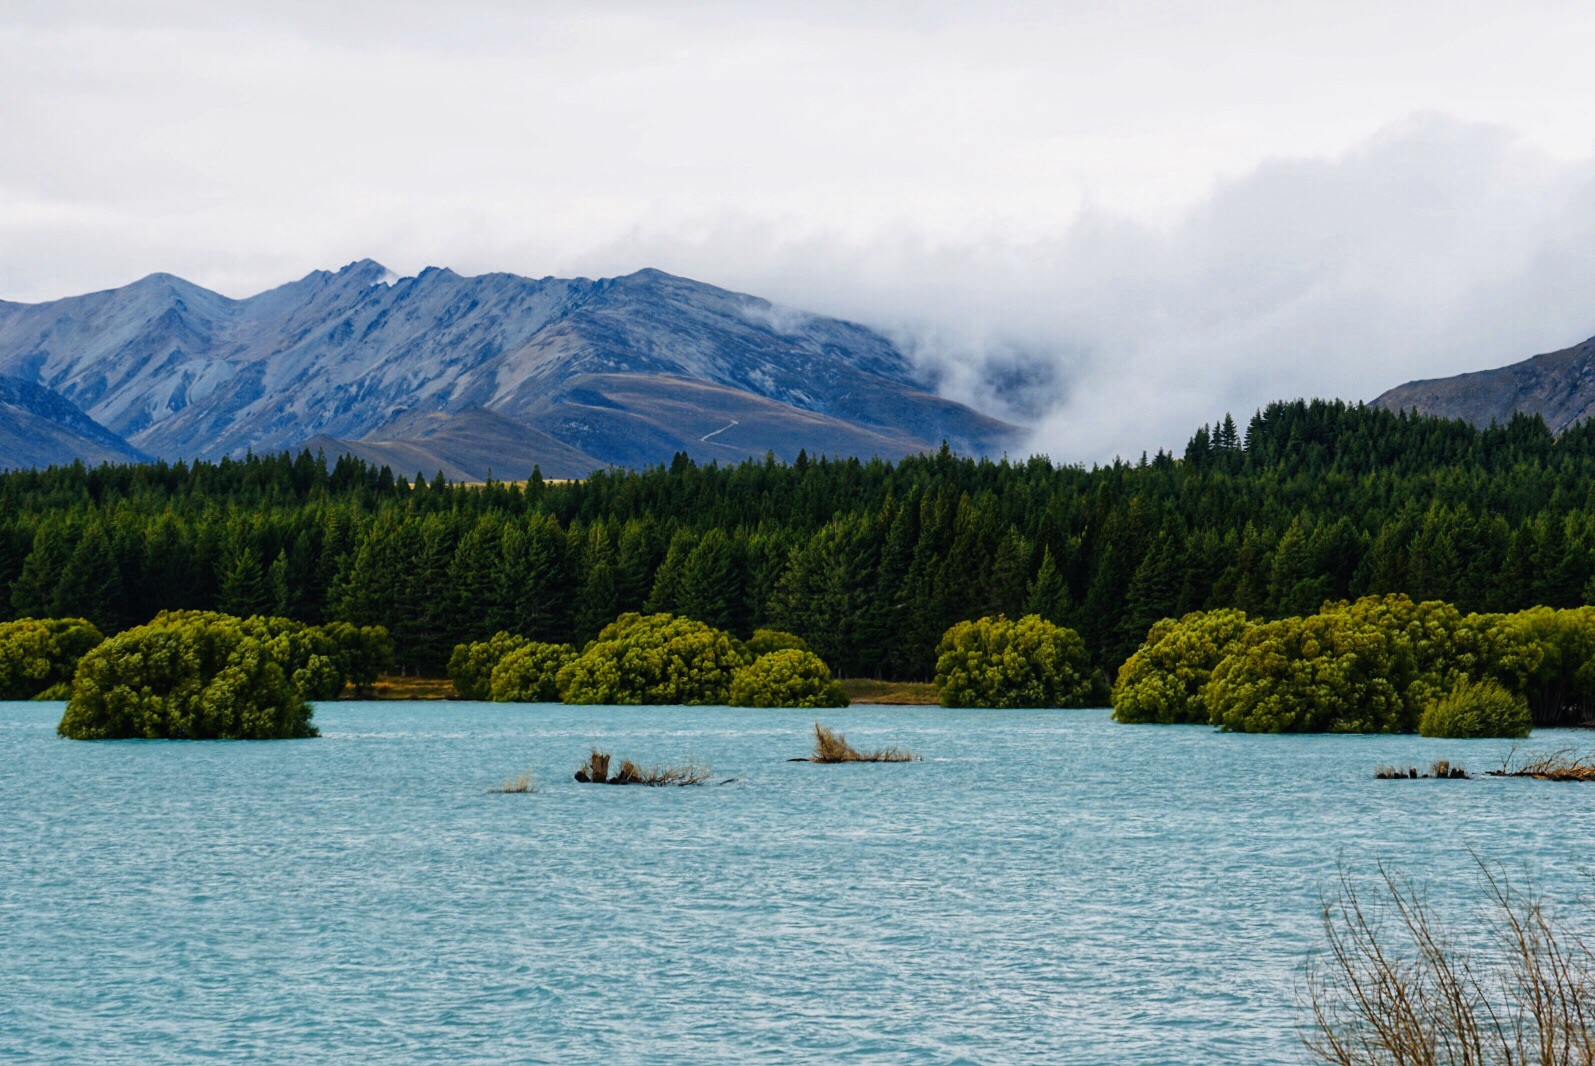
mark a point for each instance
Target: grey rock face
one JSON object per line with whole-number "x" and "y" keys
{"x": 576, "y": 373}
{"x": 1558, "y": 386}
{"x": 39, "y": 428}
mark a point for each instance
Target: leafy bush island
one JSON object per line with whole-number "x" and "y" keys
{"x": 1031, "y": 662}
{"x": 649, "y": 659}
{"x": 1328, "y": 673}
{"x": 654, "y": 659}
{"x": 39, "y": 656}
{"x": 1377, "y": 664}
{"x": 189, "y": 677}
{"x": 1477, "y": 709}
{"x": 471, "y": 666}
{"x": 1166, "y": 680}
{"x": 310, "y": 658}
{"x": 789, "y": 677}
{"x": 530, "y": 673}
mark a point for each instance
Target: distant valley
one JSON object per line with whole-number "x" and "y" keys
{"x": 467, "y": 375}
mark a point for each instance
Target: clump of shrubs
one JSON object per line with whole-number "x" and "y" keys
{"x": 1477, "y": 709}
{"x": 201, "y": 675}
{"x": 188, "y": 677}
{"x": 1166, "y": 680}
{"x": 38, "y": 657}
{"x": 530, "y": 673}
{"x": 654, "y": 659}
{"x": 471, "y": 666}
{"x": 1379, "y": 664}
{"x": 789, "y": 677}
{"x": 649, "y": 659}
{"x": 1327, "y": 673}
{"x": 995, "y": 662}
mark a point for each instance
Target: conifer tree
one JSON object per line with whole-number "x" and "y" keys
{"x": 243, "y": 589}
{"x": 91, "y": 583}
{"x": 713, "y": 584}
{"x": 1048, "y": 596}
{"x": 34, "y": 593}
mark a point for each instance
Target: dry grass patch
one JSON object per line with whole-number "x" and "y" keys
{"x": 393, "y": 687}
{"x": 904, "y": 693}
{"x": 1564, "y": 764}
{"x": 832, "y": 747}
{"x": 1440, "y": 769}
{"x": 595, "y": 771}
{"x": 524, "y": 783}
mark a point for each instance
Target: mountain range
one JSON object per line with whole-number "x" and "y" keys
{"x": 1557, "y": 386}
{"x": 490, "y": 374}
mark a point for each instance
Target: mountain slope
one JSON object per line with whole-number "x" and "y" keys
{"x": 622, "y": 370}
{"x": 1558, "y": 386}
{"x": 39, "y": 428}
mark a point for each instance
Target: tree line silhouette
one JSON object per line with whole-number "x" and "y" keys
{"x": 870, "y": 562}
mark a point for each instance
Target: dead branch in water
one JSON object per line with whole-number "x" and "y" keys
{"x": 1440, "y": 769}
{"x": 1564, "y": 764}
{"x": 595, "y": 771}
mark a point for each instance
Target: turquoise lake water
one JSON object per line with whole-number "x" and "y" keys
{"x": 1046, "y": 886}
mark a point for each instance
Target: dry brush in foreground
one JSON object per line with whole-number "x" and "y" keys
{"x": 1395, "y": 987}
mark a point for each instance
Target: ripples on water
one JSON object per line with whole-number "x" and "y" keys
{"x": 1046, "y": 887}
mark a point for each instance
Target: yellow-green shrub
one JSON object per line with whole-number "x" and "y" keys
{"x": 471, "y": 666}
{"x": 789, "y": 677}
{"x": 654, "y": 659}
{"x": 1165, "y": 680}
{"x": 193, "y": 678}
{"x": 1477, "y": 709}
{"x": 1327, "y": 673}
{"x": 1031, "y": 662}
{"x": 530, "y": 673}
{"x": 39, "y": 656}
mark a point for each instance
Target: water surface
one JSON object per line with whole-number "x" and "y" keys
{"x": 1046, "y": 887}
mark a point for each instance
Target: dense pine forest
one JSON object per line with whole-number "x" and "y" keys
{"x": 869, "y": 561}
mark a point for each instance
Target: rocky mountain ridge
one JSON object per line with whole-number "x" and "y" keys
{"x": 470, "y": 373}
{"x": 1558, "y": 386}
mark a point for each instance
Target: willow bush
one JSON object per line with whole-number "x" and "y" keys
{"x": 1327, "y": 673}
{"x": 1165, "y": 681}
{"x": 1031, "y": 662}
{"x": 789, "y": 677}
{"x": 1477, "y": 709}
{"x": 39, "y": 656}
{"x": 190, "y": 677}
{"x": 530, "y": 673}
{"x": 471, "y": 666}
{"x": 654, "y": 659}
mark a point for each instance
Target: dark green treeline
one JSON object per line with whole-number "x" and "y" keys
{"x": 870, "y": 562}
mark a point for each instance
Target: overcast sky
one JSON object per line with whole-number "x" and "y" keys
{"x": 1110, "y": 221}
